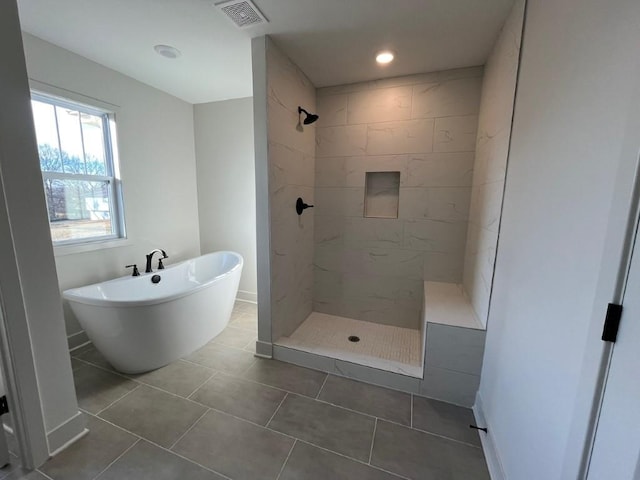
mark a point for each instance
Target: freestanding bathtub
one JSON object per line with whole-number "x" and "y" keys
{"x": 139, "y": 325}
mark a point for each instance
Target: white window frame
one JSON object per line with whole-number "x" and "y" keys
{"x": 116, "y": 204}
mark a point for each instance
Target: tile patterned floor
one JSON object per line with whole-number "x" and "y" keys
{"x": 385, "y": 347}
{"x": 221, "y": 413}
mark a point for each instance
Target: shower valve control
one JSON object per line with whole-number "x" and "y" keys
{"x": 301, "y": 206}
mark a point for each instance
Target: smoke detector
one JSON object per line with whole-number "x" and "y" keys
{"x": 242, "y": 12}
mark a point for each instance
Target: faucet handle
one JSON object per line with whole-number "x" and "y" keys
{"x": 160, "y": 265}
{"x": 136, "y": 272}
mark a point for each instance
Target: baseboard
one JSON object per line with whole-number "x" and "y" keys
{"x": 496, "y": 471}
{"x": 67, "y": 433}
{"x": 247, "y": 296}
{"x": 264, "y": 349}
{"x": 77, "y": 340}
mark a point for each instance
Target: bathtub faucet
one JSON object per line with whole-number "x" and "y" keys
{"x": 150, "y": 258}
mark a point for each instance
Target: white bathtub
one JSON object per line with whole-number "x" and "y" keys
{"x": 140, "y": 326}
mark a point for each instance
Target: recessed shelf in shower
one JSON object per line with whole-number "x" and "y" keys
{"x": 382, "y": 194}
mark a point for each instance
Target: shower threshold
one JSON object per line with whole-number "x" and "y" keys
{"x": 394, "y": 349}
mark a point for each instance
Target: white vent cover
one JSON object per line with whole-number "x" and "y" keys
{"x": 242, "y": 12}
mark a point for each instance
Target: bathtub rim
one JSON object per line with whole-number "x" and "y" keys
{"x": 71, "y": 294}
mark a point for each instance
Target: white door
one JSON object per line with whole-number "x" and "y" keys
{"x": 616, "y": 451}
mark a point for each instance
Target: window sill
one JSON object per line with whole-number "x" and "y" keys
{"x": 63, "y": 250}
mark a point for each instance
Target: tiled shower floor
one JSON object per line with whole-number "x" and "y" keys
{"x": 385, "y": 347}
{"x": 221, "y": 413}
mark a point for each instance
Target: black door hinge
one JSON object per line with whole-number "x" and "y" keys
{"x": 4, "y": 406}
{"x": 611, "y": 322}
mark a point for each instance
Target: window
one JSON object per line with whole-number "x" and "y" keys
{"x": 78, "y": 163}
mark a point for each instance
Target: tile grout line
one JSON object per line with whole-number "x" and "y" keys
{"x": 286, "y": 459}
{"x": 191, "y": 362}
{"x": 373, "y": 439}
{"x": 231, "y": 328}
{"x": 444, "y": 437}
{"x": 241, "y": 374}
{"x": 190, "y": 428}
{"x": 322, "y": 386}
{"x": 410, "y": 119}
{"x": 364, "y": 86}
{"x": 40, "y": 472}
{"x": 266, "y": 425}
{"x": 411, "y": 419}
{"x": 215, "y": 373}
{"x": 238, "y": 375}
{"x": 112, "y": 370}
{"x": 245, "y": 329}
{"x": 352, "y": 459}
{"x": 118, "y": 399}
{"x": 116, "y": 459}
{"x": 175, "y": 395}
{"x": 433, "y": 136}
{"x": 256, "y": 425}
{"x": 211, "y": 342}
{"x": 237, "y": 317}
{"x": 252, "y": 341}
{"x": 139, "y": 437}
{"x": 287, "y": 392}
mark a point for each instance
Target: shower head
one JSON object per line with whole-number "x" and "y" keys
{"x": 310, "y": 117}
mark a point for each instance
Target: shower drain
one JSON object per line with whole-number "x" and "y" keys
{"x": 353, "y": 338}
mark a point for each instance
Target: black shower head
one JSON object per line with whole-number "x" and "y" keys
{"x": 310, "y": 117}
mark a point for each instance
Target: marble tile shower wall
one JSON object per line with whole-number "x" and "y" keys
{"x": 423, "y": 126}
{"x": 494, "y": 130}
{"x": 291, "y": 175}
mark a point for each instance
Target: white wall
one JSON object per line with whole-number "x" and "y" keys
{"x": 226, "y": 183}
{"x": 263, "y": 207}
{"x": 577, "y": 73}
{"x": 492, "y": 148}
{"x": 157, "y": 161}
{"x": 31, "y": 307}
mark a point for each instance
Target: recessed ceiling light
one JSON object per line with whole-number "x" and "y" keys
{"x": 167, "y": 51}
{"x": 384, "y": 57}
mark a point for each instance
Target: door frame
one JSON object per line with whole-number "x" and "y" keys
{"x": 628, "y": 250}
{"x": 16, "y": 349}
{"x": 622, "y": 223}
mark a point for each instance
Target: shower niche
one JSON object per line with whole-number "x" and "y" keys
{"x": 381, "y": 194}
{"x": 406, "y": 177}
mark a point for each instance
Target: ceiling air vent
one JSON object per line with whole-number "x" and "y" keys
{"x": 242, "y": 12}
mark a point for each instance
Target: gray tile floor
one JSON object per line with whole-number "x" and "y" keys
{"x": 223, "y": 413}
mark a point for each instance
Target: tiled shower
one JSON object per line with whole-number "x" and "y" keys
{"x": 423, "y": 128}
{"x": 406, "y": 177}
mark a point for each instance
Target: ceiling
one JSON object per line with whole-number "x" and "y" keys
{"x": 332, "y": 41}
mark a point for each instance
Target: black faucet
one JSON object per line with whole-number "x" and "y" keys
{"x": 150, "y": 258}
{"x": 136, "y": 273}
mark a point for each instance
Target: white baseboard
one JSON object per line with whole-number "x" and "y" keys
{"x": 66, "y": 433}
{"x": 247, "y": 296}
{"x": 77, "y": 340}
{"x": 264, "y": 349}
{"x": 496, "y": 471}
